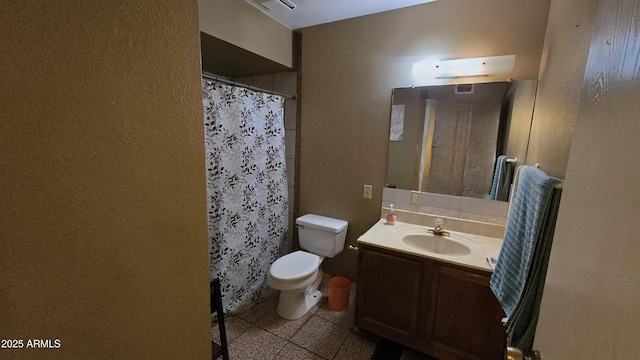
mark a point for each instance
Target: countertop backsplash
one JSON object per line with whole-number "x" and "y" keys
{"x": 476, "y": 216}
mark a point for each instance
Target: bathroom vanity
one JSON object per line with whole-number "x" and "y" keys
{"x": 430, "y": 293}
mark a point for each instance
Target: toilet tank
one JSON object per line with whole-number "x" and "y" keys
{"x": 321, "y": 235}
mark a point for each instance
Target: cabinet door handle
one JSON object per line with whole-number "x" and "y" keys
{"x": 514, "y": 353}
{"x": 351, "y": 247}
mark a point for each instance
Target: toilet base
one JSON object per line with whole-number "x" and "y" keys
{"x": 294, "y": 304}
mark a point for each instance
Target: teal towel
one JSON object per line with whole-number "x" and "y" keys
{"x": 518, "y": 278}
{"x": 501, "y": 179}
{"x": 521, "y": 326}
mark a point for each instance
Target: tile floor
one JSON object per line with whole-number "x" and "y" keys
{"x": 260, "y": 334}
{"x": 322, "y": 333}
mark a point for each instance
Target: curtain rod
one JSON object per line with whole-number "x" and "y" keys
{"x": 254, "y": 88}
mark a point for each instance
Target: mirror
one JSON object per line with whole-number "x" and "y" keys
{"x": 446, "y": 139}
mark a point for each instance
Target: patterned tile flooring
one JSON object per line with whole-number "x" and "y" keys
{"x": 259, "y": 333}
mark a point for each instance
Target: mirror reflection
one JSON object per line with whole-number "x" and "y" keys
{"x": 447, "y": 139}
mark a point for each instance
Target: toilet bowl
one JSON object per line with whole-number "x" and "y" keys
{"x": 297, "y": 275}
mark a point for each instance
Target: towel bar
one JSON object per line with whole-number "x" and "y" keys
{"x": 559, "y": 186}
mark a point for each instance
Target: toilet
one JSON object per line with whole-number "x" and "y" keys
{"x": 297, "y": 275}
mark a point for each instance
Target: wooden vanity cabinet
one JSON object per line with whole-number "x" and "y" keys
{"x": 443, "y": 310}
{"x": 392, "y": 298}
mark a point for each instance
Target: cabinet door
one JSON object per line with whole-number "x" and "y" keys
{"x": 466, "y": 320}
{"x": 389, "y": 289}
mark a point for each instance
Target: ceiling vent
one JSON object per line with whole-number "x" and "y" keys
{"x": 464, "y": 89}
{"x": 276, "y": 6}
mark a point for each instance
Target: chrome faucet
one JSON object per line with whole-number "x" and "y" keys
{"x": 439, "y": 230}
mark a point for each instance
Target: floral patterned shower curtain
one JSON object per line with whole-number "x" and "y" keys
{"x": 246, "y": 189}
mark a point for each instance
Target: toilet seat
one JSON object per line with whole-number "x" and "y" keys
{"x": 294, "y": 266}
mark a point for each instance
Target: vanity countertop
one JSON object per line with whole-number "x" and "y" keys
{"x": 390, "y": 237}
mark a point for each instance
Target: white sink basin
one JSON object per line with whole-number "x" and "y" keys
{"x": 459, "y": 248}
{"x": 443, "y": 245}
{"x": 423, "y": 241}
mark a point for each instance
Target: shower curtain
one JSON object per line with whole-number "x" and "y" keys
{"x": 246, "y": 189}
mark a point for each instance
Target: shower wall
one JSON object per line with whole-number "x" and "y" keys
{"x": 463, "y": 150}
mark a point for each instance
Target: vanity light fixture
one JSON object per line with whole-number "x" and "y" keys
{"x": 426, "y": 70}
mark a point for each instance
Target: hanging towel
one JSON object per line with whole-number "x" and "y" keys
{"x": 516, "y": 180}
{"x": 502, "y": 193}
{"x": 521, "y": 265}
{"x": 501, "y": 180}
{"x": 521, "y": 326}
{"x": 514, "y": 188}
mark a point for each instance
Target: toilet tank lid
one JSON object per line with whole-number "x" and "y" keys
{"x": 322, "y": 223}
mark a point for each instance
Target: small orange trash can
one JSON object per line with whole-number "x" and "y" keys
{"x": 339, "y": 289}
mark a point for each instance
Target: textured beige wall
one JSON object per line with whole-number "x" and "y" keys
{"x": 523, "y": 96}
{"x": 239, "y": 23}
{"x": 561, "y": 72}
{"x": 403, "y": 170}
{"x": 590, "y": 304}
{"x": 348, "y": 71}
{"x": 103, "y": 229}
